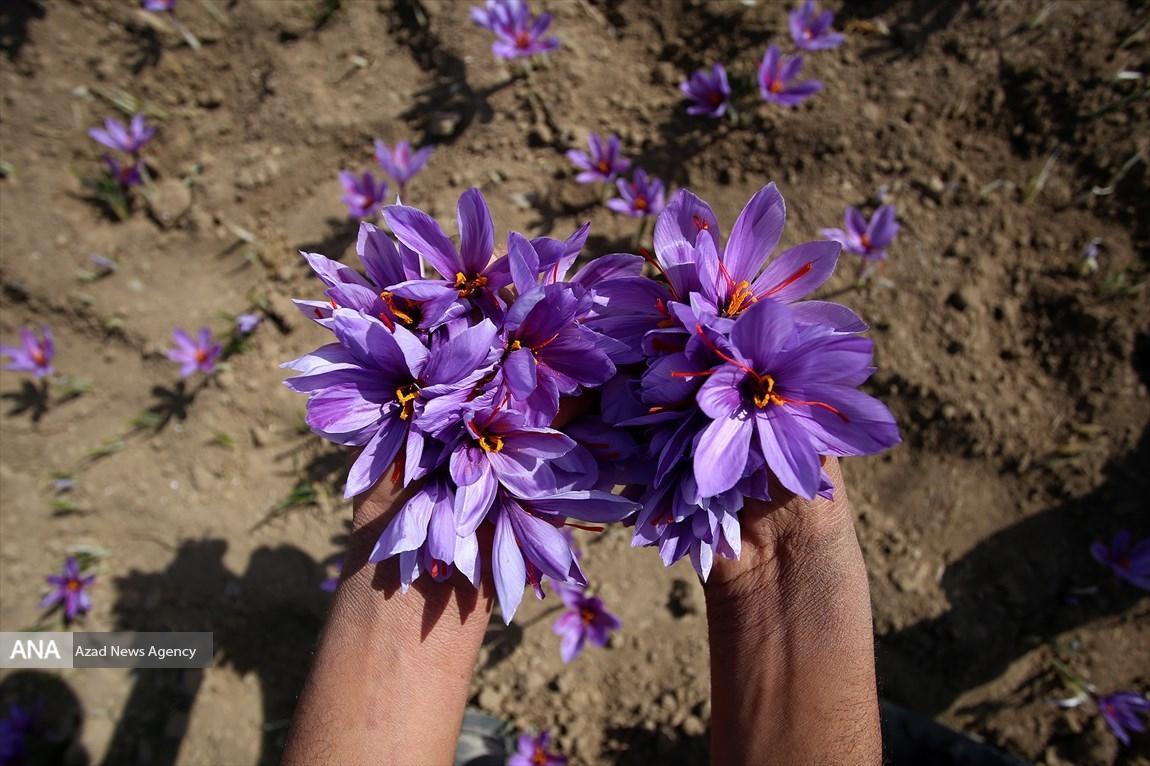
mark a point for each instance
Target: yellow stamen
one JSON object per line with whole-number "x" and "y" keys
{"x": 466, "y": 287}
{"x": 765, "y": 393}
{"x": 406, "y": 396}
{"x": 515, "y": 346}
{"x": 741, "y": 298}
{"x": 491, "y": 443}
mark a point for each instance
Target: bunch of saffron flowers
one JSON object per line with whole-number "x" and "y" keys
{"x": 716, "y": 383}
{"x": 453, "y": 381}
{"x": 735, "y": 384}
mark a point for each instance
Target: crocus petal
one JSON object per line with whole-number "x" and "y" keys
{"x": 762, "y": 331}
{"x": 720, "y": 396}
{"x": 524, "y": 262}
{"x": 520, "y": 372}
{"x": 798, "y": 271}
{"x": 473, "y": 501}
{"x": 755, "y": 234}
{"x": 461, "y": 355}
{"x": 379, "y": 256}
{"x": 721, "y": 454}
{"x": 377, "y": 455}
{"x": 507, "y": 566}
{"x": 419, "y": 231}
{"x": 788, "y": 451}
{"x": 476, "y": 232}
{"x": 836, "y": 316}
{"x": 407, "y": 530}
{"x": 883, "y": 227}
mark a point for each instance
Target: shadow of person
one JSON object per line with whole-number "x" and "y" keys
{"x": 15, "y": 17}
{"x": 42, "y": 720}
{"x": 1018, "y": 588}
{"x": 264, "y": 621}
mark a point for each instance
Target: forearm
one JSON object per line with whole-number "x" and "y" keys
{"x": 389, "y": 681}
{"x": 792, "y": 656}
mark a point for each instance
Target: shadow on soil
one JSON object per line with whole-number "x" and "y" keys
{"x": 1015, "y": 590}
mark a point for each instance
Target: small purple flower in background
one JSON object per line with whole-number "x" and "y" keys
{"x": 868, "y": 239}
{"x": 776, "y": 74}
{"x": 15, "y": 728}
{"x": 639, "y": 197}
{"x": 246, "y": 323}
{"x": 1123, "y": 713}
{"x": 361, "y": 194}
{"x": 532, "y": 751}
{"x": 158, "y": 6}
{"x": 1126, "y": 559}
{"x": 400, "y": 162}
{"x": 125, "y": 174}
{"x": 1090, "y": 253}
{"x": 517, "y": 32}
{"x": 34, "y": 354}
{"x": 103, "y": 264}
{"x": 585, "y": 620}
{"x": 709, "y": 90}
{"x": 194, "y": 355}
{"x": 812, "y": 31}
{"x": 130, "y": 138}
{"x": 71, "y": 589}
{"x": 63, "y": 484}
{"x": 604, "y": 162}
{"x": 331, "y": 583}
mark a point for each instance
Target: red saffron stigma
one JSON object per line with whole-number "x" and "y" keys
{"x": 584, "y": 527}
{"x": 802, "y": 272}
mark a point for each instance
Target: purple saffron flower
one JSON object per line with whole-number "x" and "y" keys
{"x": 197, "y": 355}
{"x": 426, "y": 538}
{"x": 379, "y": 387}
{"x": 330, "y": 584}
{"x": 723, "y": 283}
{"x": 775, "y": 79}
{"x": 16, "y": 727}
{"x": 362, "y": 195}
{"x": 794, "y": 386}
{"x": 158, "y": 6}
{"x": 603, "y": 163}
{"x": 247, "y": 323}
{"x": 125, "y": 174}
{"x": 870, "y": 240}
{"x": 71, "y": 589}
{"x": 812, "y": 31}
{"x": 502, "y": 449}
{"x": 1126, "y": 559}
{"x": 1123, "y": 713}
{"x": 547, "y": 345}
{"x": 709, "y": 90}
{"x": 585, "y": 620}
{"x": 469, "y": 276}
{"x": 129, "y": 139}
{"x": 34, "y": 354}
{"x": 400, "y": 162}
{"x": 529, "y": 543}
{"x": 347, "y": 288}
{"x": 533, "y": 751}
{"x": 641, "y": 196}
{"x": 517, "y": 32}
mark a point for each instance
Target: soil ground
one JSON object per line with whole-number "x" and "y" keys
{"x": 1001, "y": 130}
